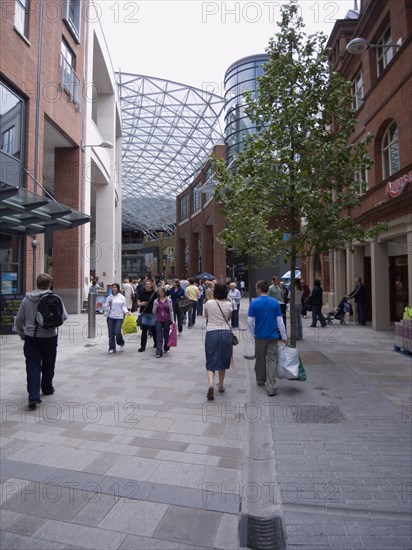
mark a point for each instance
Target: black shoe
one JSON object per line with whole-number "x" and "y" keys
{"x": 259, "y": 383}
{"x": 48, "y": 392}
{"x": 166, "y": 349}
{"x": 158, "y": 355}
{"x": 141, "y": 349}
{"x": 32, "y": 405}
{"x": 210, "y": 393}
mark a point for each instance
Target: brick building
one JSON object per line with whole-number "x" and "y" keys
{"x": 381, "y": 78}
{"x": 199, "y": 222}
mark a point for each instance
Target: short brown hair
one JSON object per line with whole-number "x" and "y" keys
{"x": 220, "y": 291}
{"x": 263, "y": 286}
{"x": 44, "y": 281}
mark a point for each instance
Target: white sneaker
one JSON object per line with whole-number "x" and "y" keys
{"x": 121, "y": 348}
{"x": 111, "y": 350}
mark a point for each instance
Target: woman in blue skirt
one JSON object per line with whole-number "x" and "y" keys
{"x": 218, "y": 343}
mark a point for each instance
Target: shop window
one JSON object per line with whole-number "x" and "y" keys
{"x": 72, "y": 17}
{"x": 384, "y": 54}
{"x": 390, "y": 151}
{"x": 21, "y": 17}
{"x": 69, "y": 80}
{"x": 357, "y": 91}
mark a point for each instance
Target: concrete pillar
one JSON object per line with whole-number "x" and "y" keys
{"x": 339, "y": 272}
{"x": 380, "y": 286}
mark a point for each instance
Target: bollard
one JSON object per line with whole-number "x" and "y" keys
{"x": 91, "y": 315}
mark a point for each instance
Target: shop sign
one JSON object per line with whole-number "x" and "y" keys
{"x": 395, "y": 188}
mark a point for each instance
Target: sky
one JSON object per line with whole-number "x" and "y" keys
{"x": 195, "y": 41}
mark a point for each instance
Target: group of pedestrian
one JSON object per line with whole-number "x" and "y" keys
{"x": 220, "y": 305}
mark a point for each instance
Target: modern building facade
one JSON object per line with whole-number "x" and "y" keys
{"x": 50, "y": 178}
{"x": 240, "y": 77}
{"x": 381, "y": 79}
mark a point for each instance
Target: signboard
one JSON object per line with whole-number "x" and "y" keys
{"x": 9, "y": 305}
{"x": 395, "y": 188}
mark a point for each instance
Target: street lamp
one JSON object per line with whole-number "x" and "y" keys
{"x": 360, "y": 45}
{"x": 103, "y": 144}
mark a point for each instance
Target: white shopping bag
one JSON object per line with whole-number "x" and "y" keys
{"x": 288, "y": 362}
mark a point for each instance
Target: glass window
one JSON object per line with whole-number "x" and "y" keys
{"x": 69, "y": 79}
{"x": 361, "y": 177}
{"x": 197, "y": 197}
{"x": 384, "y": 54}
{"x": 357, "y": 91}
{"x": 72, "y": 16}
{"x": 8, "y": 140}
{"x": 11, "y": 116}
{"x": 184, "y": 208}
{"x": 21, "y": 16}
{"x": 390, "y": 151}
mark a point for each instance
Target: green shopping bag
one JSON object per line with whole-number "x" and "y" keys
{"x": 129, "y": 325}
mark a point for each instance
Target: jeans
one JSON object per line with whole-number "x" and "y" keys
{"x": 162, "y": 336}
{"x": 200, "y": 306}
{"x": 178, "y": 318}
{"x": 114, "y": 327}
{"x": 192, "y": 313}
{"x": 40, "y": 354}
{"x": 299, "y": 331}
{"x": 143, "y": 338}
{"x": 235, "y": 317}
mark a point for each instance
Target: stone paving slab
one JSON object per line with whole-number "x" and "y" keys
{"x": 133, "y": 446}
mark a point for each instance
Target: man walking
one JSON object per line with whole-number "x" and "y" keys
{"x": 360, "y": 300}
{"x": 40, "y": 343}
{"x": 275, "y": 291}
{"x": 264, "y": 320}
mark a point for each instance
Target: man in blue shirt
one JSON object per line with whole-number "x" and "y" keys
{"x": 264, "y": 321}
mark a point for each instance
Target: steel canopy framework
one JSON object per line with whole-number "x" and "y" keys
{"x": 168, "y": 131}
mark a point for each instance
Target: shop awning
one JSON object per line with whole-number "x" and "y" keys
{"x": 25, "y": 212}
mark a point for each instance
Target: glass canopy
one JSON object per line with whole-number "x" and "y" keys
{"x": 168, "y": 130}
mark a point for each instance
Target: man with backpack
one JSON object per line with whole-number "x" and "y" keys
{"x": 37, "y": 319}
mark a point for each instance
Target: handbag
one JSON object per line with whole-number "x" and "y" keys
{"x": 288, "y": 362}
{"x": 143, "y": 317}
{"x": 172, "y": 341}
{"x": 235, "y": 339}
{"x": 184, "y": 305}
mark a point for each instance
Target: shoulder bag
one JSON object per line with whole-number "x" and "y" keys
{"x": 146, "y": 318}
{"x": 235, "y": 339}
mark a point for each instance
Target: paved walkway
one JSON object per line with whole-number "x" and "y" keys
{"x": 129, "y": 454}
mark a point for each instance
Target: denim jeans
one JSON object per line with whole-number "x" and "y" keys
{"x": 178, "y": 318}
{"x": 235, "y": 317}
{"x": 40, "y": 354}
{"x": 192, "y": 313}
{"x": 114, "y": 327}
{"x": 162, "y": 336}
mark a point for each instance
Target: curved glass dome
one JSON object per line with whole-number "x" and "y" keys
{"x": 168, "y": 131}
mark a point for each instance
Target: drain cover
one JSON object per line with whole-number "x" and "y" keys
{"x": 328, "y": 413}
{"x": 262, "y": 533}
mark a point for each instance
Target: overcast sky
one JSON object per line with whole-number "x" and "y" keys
{"x": 195, "y": 41}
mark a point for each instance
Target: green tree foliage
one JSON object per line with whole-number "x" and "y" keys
{"x": 296, "y": 174}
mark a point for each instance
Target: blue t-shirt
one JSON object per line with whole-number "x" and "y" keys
{"x": 265, "y": 310}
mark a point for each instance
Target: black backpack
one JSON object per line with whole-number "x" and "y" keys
{"x": 49, "y": 311}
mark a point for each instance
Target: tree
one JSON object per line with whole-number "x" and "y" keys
{"x": 294, "y": 182}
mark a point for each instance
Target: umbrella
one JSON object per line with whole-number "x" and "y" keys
{"x": 206, "y": 276}
{"x": 287, "y": 274}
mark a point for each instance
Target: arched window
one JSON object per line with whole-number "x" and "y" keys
{"x": 390, "y": 151}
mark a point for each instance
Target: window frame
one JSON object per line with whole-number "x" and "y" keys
{"x": 22, "y": 26}
{"x": 387, "y": 146}
{"x": 385, "y": 53}
{"x": 72, "y": 10}
{"x": 357, "y": 90}
{"x": 11, "y": 131}
{"x": 72, "y": 85}
{"x": 184, "y": 208}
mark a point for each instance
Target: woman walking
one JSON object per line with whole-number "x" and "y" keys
{"x": 177, "y": 293}
{"x": 218, "y": 342}
{"x": 116, "y": 304}
{"x": 128, "y": 293}
{"x": 145, "y": 302}
{"x": 163, "y": 309}
{"x": 234, "y": 297}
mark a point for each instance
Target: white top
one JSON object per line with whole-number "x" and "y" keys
{"x": 215, "y": 320}
{"x": 234, "y": 295}
{"x": 117, "y": 305}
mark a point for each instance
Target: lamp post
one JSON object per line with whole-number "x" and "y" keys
{"x": 103, "y": 144}
{"x": 360, "y": 45}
